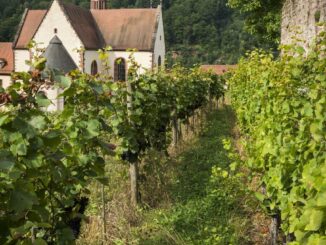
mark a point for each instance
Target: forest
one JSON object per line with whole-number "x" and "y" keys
{"x": 197, "y": 31}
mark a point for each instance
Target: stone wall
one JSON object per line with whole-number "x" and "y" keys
{"x": 299, "y": 17}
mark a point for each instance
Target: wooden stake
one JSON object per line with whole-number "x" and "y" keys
{"x": 133, "y": 166}
{"x": 179, "y": 131}
{"x": 274, "y": 230}
{"x": 134, "y": 190}
{"x": 104, "y": 214}
{"x": 175, "y": 131}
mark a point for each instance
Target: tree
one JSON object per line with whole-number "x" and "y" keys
{"x": 263, "y": 17}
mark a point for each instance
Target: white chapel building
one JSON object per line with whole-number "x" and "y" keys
{"x": 79, "y": 33}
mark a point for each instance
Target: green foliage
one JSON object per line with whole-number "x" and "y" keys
{"x": 47, "y": 160}
{"x": 263, "y": 18}
{"x": 204, "y": 31}
{"x": 281, "y": 107}
{"x": 157, "y": 98}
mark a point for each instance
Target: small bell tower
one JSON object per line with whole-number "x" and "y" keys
{"x": 98, "y": 4}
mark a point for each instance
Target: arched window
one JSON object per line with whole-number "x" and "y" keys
{"x": 120, "y": 70}
{"x": 159, "y": 62}
{"x": 94, "y": 68}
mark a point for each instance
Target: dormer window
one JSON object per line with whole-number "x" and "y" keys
{"x": 3, "y": 63}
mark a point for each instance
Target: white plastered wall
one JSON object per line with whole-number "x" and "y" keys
{"x": 159, "y": 47}
{"x": 142, "y": 58}
{"x": 21, "y": 56}
{"x": 5, "y": 80}
{"x": 57, "y": 103}
{"x": 56, "y": 19}
{"x": 89, "y": 57}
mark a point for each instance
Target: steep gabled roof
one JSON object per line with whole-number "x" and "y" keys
{"x": 119, "y": 28}
{"x": 128, "y": 28}
{"x": 29, "y": 25}
{"x": 7, "y": 54}
{"x": 84, "y": 25}
{"x": 57, "y": 57}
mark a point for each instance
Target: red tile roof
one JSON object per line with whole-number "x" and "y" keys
{"x": 6, "y": 53}
{"x": 119, "y": 28}
{"x": 31, "y": 21}
{"x": 128, "y": 28}
{"x": 218, "y": 69}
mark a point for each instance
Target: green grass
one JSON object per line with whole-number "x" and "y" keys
{"x": 189, "y": 198}
{"x": 207, "y": 207}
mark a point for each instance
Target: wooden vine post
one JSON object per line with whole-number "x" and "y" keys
{"x": 274, "y": 230}
{"x": 174, "y": 129}
{"x": 179, "y": 130}
{"x": 210, "y": 103}
{"x": 133, "y": 165}
{"x": 103, "y": 212}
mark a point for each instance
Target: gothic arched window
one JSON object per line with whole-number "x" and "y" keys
{"x": 159, "y": 62}
{"x": 120, "y": 70}
{"x": 94, "y": 70}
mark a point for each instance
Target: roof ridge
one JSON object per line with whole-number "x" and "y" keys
{"x": 20, "y": 27}
{"x": 98, "y": 33}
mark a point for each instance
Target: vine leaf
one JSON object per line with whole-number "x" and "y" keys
{"x": 21, "y": 200}
{"x": 6, "y": 164}
{"x": 42, "y": 100}
{"x": 316, "y": 219}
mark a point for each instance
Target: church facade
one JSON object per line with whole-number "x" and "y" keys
{"x": 82, "y": 32}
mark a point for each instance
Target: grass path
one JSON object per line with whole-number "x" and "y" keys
{"x": 208, "y": 206}
{"x": 191, "y": 198}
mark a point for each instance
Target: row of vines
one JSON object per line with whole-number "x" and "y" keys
{"x": 48, "y": 159}
{"x": 281, "y": 108}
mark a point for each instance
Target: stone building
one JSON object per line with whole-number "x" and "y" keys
{"x": 300, "y": 19}
{"x": 82, "y": 32}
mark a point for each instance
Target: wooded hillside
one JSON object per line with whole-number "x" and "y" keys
{"x": 198, "y": 31}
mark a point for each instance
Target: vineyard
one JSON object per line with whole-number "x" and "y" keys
{"x": 280, "y": 105}
{"x": 212, "y": 184}
{"x": 48, "y": 159}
